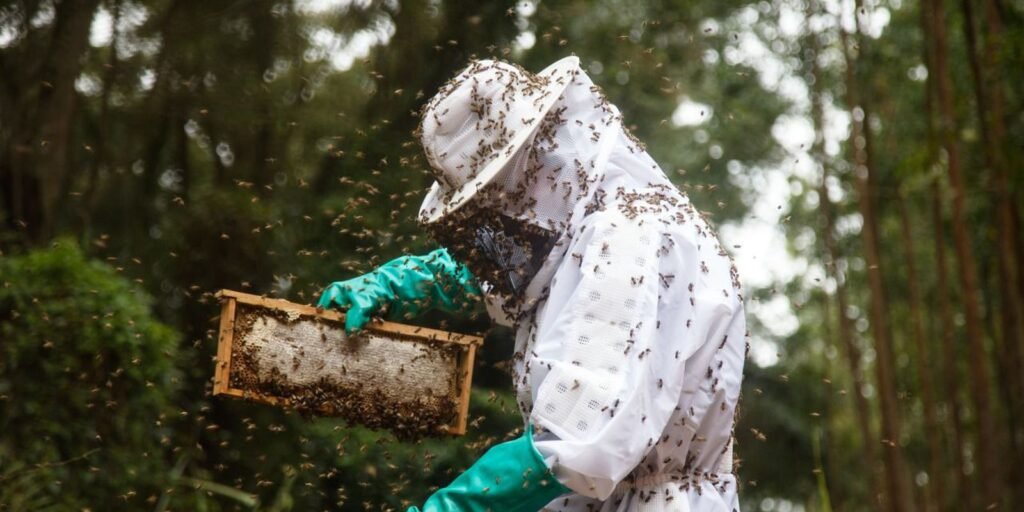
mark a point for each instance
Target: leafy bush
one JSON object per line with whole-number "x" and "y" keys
{"x": 86, "y": 377}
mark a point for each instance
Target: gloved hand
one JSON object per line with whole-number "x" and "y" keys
{"x": 510, "y": 477}
{"x": 408, "y": 286}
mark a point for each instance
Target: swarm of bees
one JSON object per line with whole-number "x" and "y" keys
{"x": 514, "y": 196}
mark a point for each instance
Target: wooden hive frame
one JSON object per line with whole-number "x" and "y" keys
{"x": 230, "y": 300}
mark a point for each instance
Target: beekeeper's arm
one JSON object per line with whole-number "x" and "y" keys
{"x": 407, "y": 286}
{"x": 604, "y": 407}
{"x": 605, "y": 390}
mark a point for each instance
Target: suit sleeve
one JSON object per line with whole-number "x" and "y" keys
{"x": 604, "y": 389}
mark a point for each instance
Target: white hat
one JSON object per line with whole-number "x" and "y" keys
{"x": 478, "y": 121}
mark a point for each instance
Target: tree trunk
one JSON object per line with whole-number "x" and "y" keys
{"x": 989, "y": 475}
{"x": 950, "y": 357}
{"x": 988, "y": 89}
{"x": 959, "y": 491}
{"x": 1017, "y": 230}
{"x": 900, "y": 497}
{"x": 40, "y": 159}
{"x": 844, "y": 329}
{"x": 851, "y": 352}
{"x": 101, "y": 148}
{"x": 935, "y": 492}
{"x": 259, "y": 156}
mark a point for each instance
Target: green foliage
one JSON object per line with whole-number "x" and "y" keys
{"x": 256, "y": 146}
{"x": 86, "y": 379}
{"x": 23, "y": 487}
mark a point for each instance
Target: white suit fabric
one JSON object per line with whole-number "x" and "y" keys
{"x": 630, "y": 339}
{"x": 630, "y": 355}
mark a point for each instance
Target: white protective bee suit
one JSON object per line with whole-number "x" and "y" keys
{"x": 630, "y": 336}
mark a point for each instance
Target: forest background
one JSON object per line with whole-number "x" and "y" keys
{"x": 860, "y": 157}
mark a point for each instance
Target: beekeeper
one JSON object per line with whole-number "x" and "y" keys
{"x": 630, "y": 334}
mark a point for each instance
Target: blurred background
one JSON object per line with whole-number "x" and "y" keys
{"x": 860, "y": 158}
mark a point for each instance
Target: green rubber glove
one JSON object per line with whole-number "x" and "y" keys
{"x": 408, "y": 286}
{"x": 510, "y": 477}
